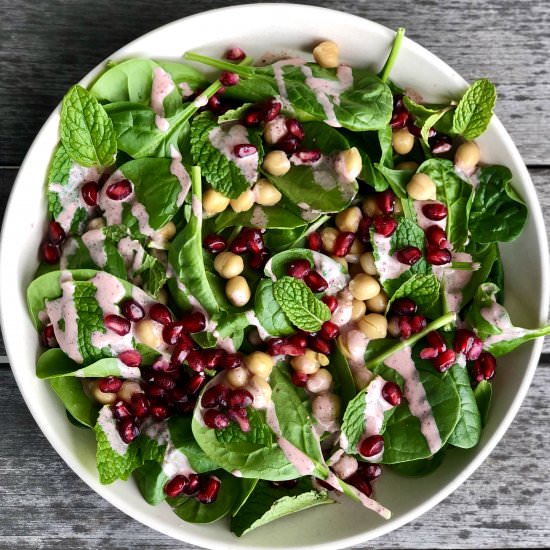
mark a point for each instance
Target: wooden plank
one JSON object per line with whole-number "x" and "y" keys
{"x": 46, "y": 50}
{"x": 503, "y": 505}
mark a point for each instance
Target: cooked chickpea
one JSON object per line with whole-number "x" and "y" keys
{"x": 266, "y": 193}
{"x": 357, "y": 248}
{"x": 349, "y": 164}
{"x": 402, "y": 141}
{"x": 358, "y": 309}
{"x": 244, "y": 202}
{"x": 237, "y": 377}
{"x": 128, "y": 389}
{"x": 367, "y": 263}
{"x": 276, "y": 163}
{"x": 101, "y": 397}
{"x": 346, "y": 466}
{"x": 393, "y": 327}
{"x": 370, "y": 208}
{"x": 421, "y": 187}
{"x": 274, "y": 130}
{"x": 379, "y": 303}
{"x": 166, "y": 232}
{"x": 328, "y": 238}
{"x": 326, "y": 407}
{"x": 467, "y": 156}
{"x": 228, "y": 265}
{"x": 96, "y": 223}
{"x": 261, "y": 391}
{"x": 323, "y": 359}
{"x": 238, "y": 291}
{"x": 319, "y": 382}
{"x": 214, "y": 202}
{"x": 373, "y": 326}
{"x": 407, "y": 165}
{"x": 327, "y": 54}
{"x": 149, "y": 332}
{"x": 259, "y": 364}
{"x": 307, "y": 363}
{"x": 348, "y": 219}
{"x": 364, "y": 287}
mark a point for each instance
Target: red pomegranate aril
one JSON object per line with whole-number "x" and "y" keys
{"x": 214, "y": 243}
{"x": 403, "y": 306}
{"x": 195, "y": 382}
{"x": 235, "y": 54}
{"x": 196, "y": 361}
{"x": 314, "y": 241}
{"x": 436, "y": 341}
{"x": 371, "y": 446}
{"x": 131, "y": 358}
{"x": 444, "y": 361}
{"x": 298, "y": 268}
{"x": 230, "y": 361}
{"x": 181, "y": 350}
{"x": 369, "y": 471}
{"x": 159, "y": 411}
{"x": 289, "y": 144}
{"x": 476, "y": 373}
{"x": 164, "y": 381}
{"x": 320, "y": 344}
{"x": 215, "y": 420}
{"x": 428, "y": 353}
{"x": 193, "y": 322}
{"x": 418, "y": 323}
{"x": 310, "y": 156}
{"x": 441, "y": 145}
{"x": 240, "y": 399}
{"x": 242, "y": 421}
{"x": 363, "y": 230}
{"x": 253, "y": 238}
{"x": 48, "y": 337}
{"x": 209, "y": 492}
{"x": 331, "y": 302}
{"x": 176, "y": 486}
{"x": 385, "y": 200}
{"x": 391, "y": 392}
{"x": 243, "y": 150}
{"x": 463, "y": 340}
{"x": 161, "y": 364}
{"x": 89, "y": 192}
{"x": 119, "y": 190}
{"x": 56, "y": 234}
{"x": 229, "y": 79}
{"x": 360, "y": 484}
{"x": 436, "y": 256}
{"x": 409, "y": 255}
{"x": 436, "y": 236}
{"x": 399, "y": 119}
{"x": 155, "y": 392}
{"x": 173, "y": 332}
{"x": 315, "y": 281}
{"x": 215, "y": 396}
{"x": 299, "y": 339}
{"x": 252, "y": 117}
{"x": 128, "y": 430}
{"x": 140, "y": 405}
{"x": 50, "y": 252}
{"x": 132, "y": 310}
{"x": 192, "y": 485}
{"x": 212, "y": 358}
{"x": 299, "y": 378}
{"x": 295, "y": 128}
{"x": 342, "y": 244}
{"x": 109, "y": 384}
{"x": 282, "y": 346}
{"x": 475, "y": 351}
{"x": 258, "y": 260}
{"x": 384, "y": 225}
{"x": 117, "y": 324}
{"x": 435, "y": 211}
{"x": 120, "y": 410}
{"x": 329, "y": 331}
{"x": 488, "y": 364}
{"x": 160, "y": 313}
{"x": 271, "y": 110}
{"x": 405, "y": 328}
{"x": 215, "y": 103}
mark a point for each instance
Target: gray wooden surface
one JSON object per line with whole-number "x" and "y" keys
{"x": 47, "y": 45}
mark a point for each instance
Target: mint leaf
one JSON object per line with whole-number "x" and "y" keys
{"x": 408, "y": 233}
{"x": 299, "y": 303}
{"x": 86, "y": 130}
{"x": 474, "y": 111}
{"x": 423, "y": 289}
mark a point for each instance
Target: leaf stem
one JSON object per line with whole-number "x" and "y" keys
{"x": 434, "y": 325}
{"x": 396, "y": 46}
{"x": 467, "y": 266}
{"x": 241, "y": 69}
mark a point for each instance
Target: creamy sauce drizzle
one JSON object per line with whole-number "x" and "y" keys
{"x": 454, "y": 280}
{"x": 259, "y": 217}
{"x": 178, "y": 169}
{"x": 331, "y": 272}
{"x": 498, "y": 316}
{"x": 94, "y": 241}
{"x": 162, "y": 87}
{"x": 387, "y": 265}
{"x": 108, "y": 424}
{"x": 424, "y": 222}
{"x": 278, "y": 73}
{"x": 254, "y": 321}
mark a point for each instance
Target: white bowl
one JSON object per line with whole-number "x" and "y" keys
{"x": 259, "y": 28}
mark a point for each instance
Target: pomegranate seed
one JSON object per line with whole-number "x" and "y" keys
{"x": 428, "y": 353}
{"x": 299, "y": 378}
{"x": 155, "y": 392}
{"x": 384, "y": 225}
{"x": 164, "y": 381}
{"x": 193, "y": 322}
{"x": 258, "y": 260}
{"x": 140, "y": 405}
{"x": 441, "y": 145}
{"x": 242, "y": 421}
{"x": 298, "y": 268}
{"x": 215, "y": 420}
{"x": 403, "y": 306}
{"x": 117, "y": 324}
{"x": 196, "y": 361}
{"x": 315, "y": 281}
{"x": 369, "y": 471}
{"x": 212, "y": 357}
{"x": 289, "y": 144}
{"x": 437, "y": 236}
{"x": 195, "y": 383}
{"x": 361, "y": 484}
{"x": 209, "y": 492}
{"x": 399, "y": 119}
{"x": 193, "y": 485}
{"x": 320, "y": 344}
{"x": 159, "y": 411}
{"x": 50, "y": 252}
{"x": 436, "y": 341}
{"x": 477, "y": 373}
{"x": 243, "y": 150}
{"x": 342, "y": 244}
{"x": 109, "y": 384}
{"x": 385, "y": 200}
{"x": 444, "y": 361}
{"x": 463, "y": 340}
{"x": 229, "y": 79}
{"x": 176, "y": 486}
{"x": 295, "y": 128}
{"x": 240, "y": 399}
{"x": 89, "y": 193}
{"x": 161, "y": 365}
{"x": 235, "y": 54}
{"x": 409, "y": 255}
{"x": 299, "y": 339}
{"x": 363, "y": 230}
{"x": 329, "y": 331}
{"x": 405, "y": 328}
{"x": 254, "y": 239}
{"x": 56, "y": 234}
{"x": 281, "y": 346}
{"x": 435, "y": 211}
{"x": 253, "y": 117}
{"x": 131, "y": 358}
{"x": 309, "y": 157}
{"x": 488, "y": 365}
{"x": 132, "y": 310}
{"x": 160, "y": 313}
{"x": 215, "y": 103}
{"x": 435, "y": 256}
{"x": 475, "y": 350}
{"x": 215, "y": 396}
{"x": 128, "y": 430}
{"x": 230, "y": 361}
{"x": 392, "y": 393}
{"x": 119, "y": 190}
{"x": 314, "y": 241}
{"x": 371, "y": 446}
{"x": 180, "y": 352}
{"x": 418, "y": 323}
{"x": 120, "y": 410}
{"x": 214, "y": 243}
{"x": 48, "y": 337}
{"x": 271, "y": 110}
{"x": 173, "y": 332}
{"x": 331, "y": 302}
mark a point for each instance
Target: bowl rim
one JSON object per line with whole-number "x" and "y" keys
{"x": 116, "y": 500}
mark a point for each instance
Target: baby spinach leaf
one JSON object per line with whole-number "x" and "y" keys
{"x": 247, "y": 487}
{"x": 86, "y": 131}
{"x": 328, "y": 140}
{"x": 234, "y": 115}
{"x": 423, "y": 289}
{"x": 483, "y": 392}
{"x": 269, "y": 313}
{"x": 268, "y": 217}
{"x": 485, "y": 255}
{"x": 475, "y": 109}
{"x": 396, "y": 179}
{"x": 151, "y": 479}
{"x": 344, "y": 383}
{"x": 468, "y": 429}
{"x": 81, "y": 407}
{"x": 421, "y": 467}
{"x": 300, "y": 305}
{"x": 498, "y": 213}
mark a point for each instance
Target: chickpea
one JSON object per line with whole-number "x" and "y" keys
{"x": 128, "y": 389}
{"x": 323, "y": 359}
{"x": 379, "y": 303}
{"x": 326, "y": 407}
{"x": 357, "y": 248}
{"x": 237, "y": 377}
{"x": 467, "y": 156}
{"x": 373, "y": 326}
{"x": 402, "y": 141}
{"x": 306, "y": 363}
{"x": 346, "y": 466}
{"x": 259, "y": 364}
{"x": 244, "y": 202}
{"x": 276, "y": 163}
{"x": 228, "y": 265}
{"x": 319, "y": 382}
{"x": 421, "y": 187}
{"x": 101, "y": 397}
{"x": 393, "y": 327}
{"x": 149, "y": 332}
{"x": 348, "y": 219}
{"x": 407, "y": 165}
{"x": 349, "y": 164}
{"x": 238, "y": 291}
{"x": 96, "y": 223}
{"x": 214, "y": 202}
{"x": 266, "y": 193}
{"x": 364, "y": 287}
{"x": 367, "y": 263}
{"x": 328, "y": 238}
{"x": 358, "y": 309}
{"x": 166, "y": 232}
{"x": 261, "y": 391}
{"x": 274, "y": 130}
{"x": 370, "y": 208}
{"x": 327, "y": 54}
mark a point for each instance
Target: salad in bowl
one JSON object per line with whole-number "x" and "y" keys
{"x": 263, "y": 287}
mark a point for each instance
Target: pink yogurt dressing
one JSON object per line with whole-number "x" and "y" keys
{"x": 387, "y": 265}
{"x": 424, "y": 222}
{"x": 278, "y": 73}
{"x": 107, "y": 423}
{"x": 94, "y": 241}
{"x": 454, "y": 280}
{"x": 178, "y": 169}
{"x": 498, "y": 316}
{"x": 162, "y": 87}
